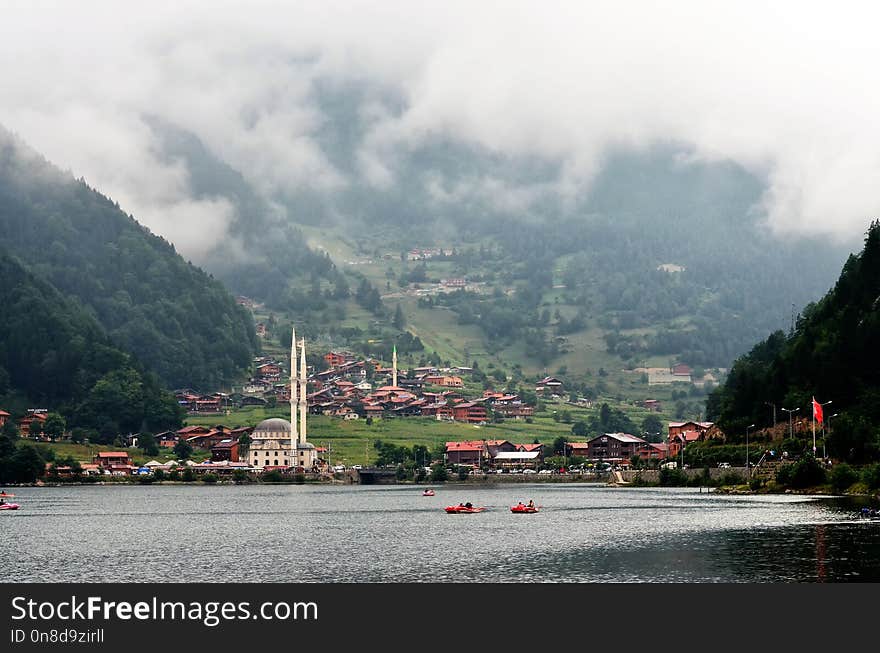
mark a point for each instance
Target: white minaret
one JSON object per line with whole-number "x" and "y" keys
{"x": 303, "y": 406}
{"x": 293, "y": 383}
{"x": 394, "y": 366}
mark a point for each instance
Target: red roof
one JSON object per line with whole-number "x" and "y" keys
{"x": 112, "y": 454}
{"x": 3, "y": 413}
{"x": 471, "y": 445}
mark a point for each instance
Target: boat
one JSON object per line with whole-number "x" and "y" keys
{"x": 4, "y": 505}
{"x": 428, "y": 493}
{"x": 522, "y": 508}
{"x": 463, "y": 510}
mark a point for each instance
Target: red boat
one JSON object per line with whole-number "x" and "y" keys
{"x": 428, "y": 493}
{"x": 9, "y": 506}
{"x": 456, "y": 510}
{"x": 522, "y": 508}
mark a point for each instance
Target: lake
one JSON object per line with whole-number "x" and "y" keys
{"x": 310, "y": 533}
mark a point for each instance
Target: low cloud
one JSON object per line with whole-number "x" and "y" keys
{"x": 786, "y": 89}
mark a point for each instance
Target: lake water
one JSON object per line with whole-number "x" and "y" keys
{"x": 307, "y": 533}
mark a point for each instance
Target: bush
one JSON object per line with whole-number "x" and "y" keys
{"x": 756, "y": 483}
{"x": 871, "y": 476}
{"x": 159, "y": 475}
{"x": 806, "y": 472}
{"x": 462, "y": 473}
{"x": 673, "y": 478}
{"x": 401, "y": 474}
{"x": 438, "y": 473}
{"x": 732, "y": 478}
{"x": 146, "y": 479}
{"x": 188, "y": 476}
{"x": 272, "y": 476}
{"x": 210, "y": 478}
{"x": 842, "y": 477}
{"x": 240, "y": 476}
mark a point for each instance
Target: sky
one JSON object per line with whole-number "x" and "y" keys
{"x": 789, "y": 90}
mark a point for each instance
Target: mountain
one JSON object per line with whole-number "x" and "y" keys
{"x": 833, "y": 354}
{"x": 54, "y": 354}
{"x": 180, "y": 322}
{"x": 664, "y": 256}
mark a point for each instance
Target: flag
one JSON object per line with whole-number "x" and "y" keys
{"x": 817, "y": 411}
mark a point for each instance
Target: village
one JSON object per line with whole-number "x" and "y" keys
{"x": 352, "y": 388}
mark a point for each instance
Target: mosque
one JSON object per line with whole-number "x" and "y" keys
{"x": 277, "y": 443}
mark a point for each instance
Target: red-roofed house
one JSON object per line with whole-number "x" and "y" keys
{"x": 470, "y": 412}
{"x": 681, "y": 433}
{"x": 471, "y": 452}
{"x": 3, "y": 417}
{"x": 614, "y": 446}
{"x": 112, "y": 459}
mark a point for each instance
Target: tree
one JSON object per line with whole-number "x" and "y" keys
{"x": 559, "y": 445}
{"x": 580, "y": 428}
{"x": 54, "y": 426}
{"x": 147, "y": 442}
{"x": 438, "y": 473}
{"x": 399, "y": 318}
{"x": 183, "y": 450}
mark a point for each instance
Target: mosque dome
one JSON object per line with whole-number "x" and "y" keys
{"x": 274, "y": 427}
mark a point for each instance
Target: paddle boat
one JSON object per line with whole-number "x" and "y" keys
{"x": 463, "y": 509}
{"x": 428, "y": 493}
{"x": 523, "y": 508}
{"x": 6, "y": 505}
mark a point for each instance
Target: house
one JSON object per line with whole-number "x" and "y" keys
{"x": 581, "y": 449}
{"x": 336, "y": 358}
{"x": 167, "y": 439}
{"x": 225, "y": 450}
{"x": 261, "y": 329}
{"x": 517, "y": 459}
{"x": 31, "y": 425}
{"x": 471, "y": 452}
{"x": 112, "y": 459}
{"x": 445, "y": 381}
{"x": 269, "y": 371}
{"x": 3, "y": 417}
{"x": 614, "y": 447}
{"x": 653, "y": 405}
{"x": 549, "y": 385}
{"x": 682, "y": 433}
{"x": 654, "y": 451}
{"x": 680, "y": 369}
{"x": 469, "y": 411}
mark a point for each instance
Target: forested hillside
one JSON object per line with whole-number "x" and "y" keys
{"x": 54, "y": 354}
{"x": 180, "y": 322}
{"x": 832, "y": 355}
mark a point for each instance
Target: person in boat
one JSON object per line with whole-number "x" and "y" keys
{"x": 468, "y": 505}
{"x": 461, "y": 505}
{"x": 531, "y": 503}
{"x": 520, "y": 504}
{"x": 2, "y": 501}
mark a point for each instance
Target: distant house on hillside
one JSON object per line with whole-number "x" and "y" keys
{"x": 550, "y": 385}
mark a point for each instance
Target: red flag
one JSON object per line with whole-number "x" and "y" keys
{"x": 817, "y": 411}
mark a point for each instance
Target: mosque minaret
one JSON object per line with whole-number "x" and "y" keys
{"x": 277, "y": 443}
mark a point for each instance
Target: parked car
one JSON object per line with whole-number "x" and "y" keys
{"x": 724, "y": 465}
{"x": 357, "y": 466}
{"x": 339, "y": 468}
{"x": 546, "y": 471}
{"x": 529, "y": 471}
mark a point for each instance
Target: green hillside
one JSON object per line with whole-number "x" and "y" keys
{"x": 833, "y": 354}
{"x": 177, "y": 320}
{"x": 54, "y": 354}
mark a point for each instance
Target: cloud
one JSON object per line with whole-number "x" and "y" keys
{"x": 786, "y": 89}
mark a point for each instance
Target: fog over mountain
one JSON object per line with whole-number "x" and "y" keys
{"x": 308, "y": 100}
